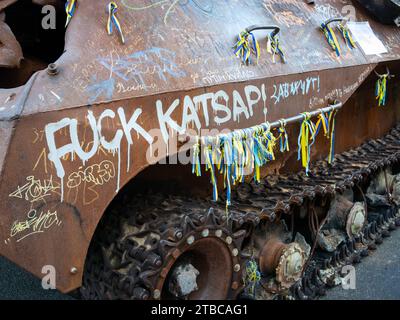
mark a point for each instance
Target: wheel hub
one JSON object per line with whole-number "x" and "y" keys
{"x": 204, "y": 265}
{"x": 355, "y": 220}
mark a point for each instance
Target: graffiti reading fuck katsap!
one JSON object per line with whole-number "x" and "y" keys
{"x": 197, "y": 112}
{"x": 219, "y": 105}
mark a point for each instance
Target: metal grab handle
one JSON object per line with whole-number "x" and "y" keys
{"x": 275, "y": 29}
{"x": 387, "y": 74}
{"x": 327, "y": 22}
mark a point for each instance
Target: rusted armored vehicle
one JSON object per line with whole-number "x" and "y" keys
{"x": 197, "y": 149}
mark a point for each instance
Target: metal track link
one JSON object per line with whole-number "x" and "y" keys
{"x": 131, "y": 255}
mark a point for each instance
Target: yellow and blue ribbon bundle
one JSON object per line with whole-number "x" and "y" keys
{"x": 252, "y": 276}
{"x": 331, "y": 135}
{"x": 70, "y": 7}
{"x": 381, "y": 89}
{"x": 210, "y": 164}
{"x": 283, "y": 138}
{"x": 263, "y": 148}
{"x": 305, "y": 141}
{"x": 196, "y": 163}
{"x": 327, "y": 122}
{"x": 322, "y": 122}
{"x": 113, "y": 20}
{"x": 344, "y": 30}
{"x": 239, "y": 155}
{"x": 230, "y": 154}
{"x": 331, "y": 38}
{"x": 274, "y": 47}
{"x": 243, "y": 48}
{"x": 227, "y": 166}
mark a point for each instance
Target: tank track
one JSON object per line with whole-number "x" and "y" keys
{"x": 155, "y": 229}
{"x": 139, "y": 237}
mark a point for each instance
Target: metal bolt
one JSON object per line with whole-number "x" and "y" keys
{"x": 178, "y": 235}
{"x": 52, "y": 69}
{"x": 74, "y": 270}
{"x": 190, "y": 240}
{"x": 236, "y": 268}
{"x": 205, "y": 233}
{"x": 218, "y": 233}
{"x": 157, "y": 294}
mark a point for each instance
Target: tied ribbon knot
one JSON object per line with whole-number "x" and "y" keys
{"x": 331, "y": 38}
{"x": 196, "y": 164}
{"x": 243, "y": 48}
{"x": 381, "y": 90}
{"x": 331, "y": 135}
{"x": 70, "y": 7}
{"x": 283, "y": 137}
{"x": 305, "y": 141}
{"x": 210, "y": 166}
{"x": 274, "y": 47}
{"x": 113, "y": 20}
{"x": 327, "y": 122}
{"x": 346, "y": 34}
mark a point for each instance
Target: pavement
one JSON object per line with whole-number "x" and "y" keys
{"x": 17, "y": 284}
{"x": 377, "y": 278}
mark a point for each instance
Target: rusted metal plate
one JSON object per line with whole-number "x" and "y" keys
{"x": 5, "y": 134}
{"x": 181, "y": 46}
{"x": 14, "y": 100}
{"x": 10, "y": 50}
{"x": 5, "y": 3}
{"x": 71, "y": 222}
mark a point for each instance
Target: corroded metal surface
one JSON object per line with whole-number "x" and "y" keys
{"x": 5, "y": 3}
{"x": 10, "y": 50}
{"x": 184, "y": 46}
{"x": 178, "y": 59}
{"x": 5, "y": 134}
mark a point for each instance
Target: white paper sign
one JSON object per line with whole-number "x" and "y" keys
{"x": 365, "y": 37}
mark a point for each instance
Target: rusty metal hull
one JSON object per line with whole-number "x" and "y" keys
{"x": 50, "y": 208}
